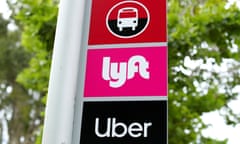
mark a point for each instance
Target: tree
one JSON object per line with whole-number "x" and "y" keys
{"x": 37, "y": 19}
{"x": 200, "y": 32}
{"x": 15, "y": 102}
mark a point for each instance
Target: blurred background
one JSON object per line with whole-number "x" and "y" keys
{"x": 204, "y": 70}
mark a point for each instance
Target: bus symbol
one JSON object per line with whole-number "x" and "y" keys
{"x": 127, "y": 18}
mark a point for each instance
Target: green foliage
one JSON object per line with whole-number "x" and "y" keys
{"x": 12, "y": 57}
{"x": 211, "y": 141}
{"x": 14, "y": 99}
{"x": 38, "y": 19}
{"x": 198, "y": 30}
{"x": 39, "y": 138}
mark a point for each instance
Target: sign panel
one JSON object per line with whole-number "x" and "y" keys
{"x": 124, "y": 122}
{"x": 121, "y": 72}
{"x": 129, "y": 21}
{"x": 124, "y": 95}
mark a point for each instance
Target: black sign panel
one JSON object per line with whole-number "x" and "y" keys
{"x": 134, "y": 122}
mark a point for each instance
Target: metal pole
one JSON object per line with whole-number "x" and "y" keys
{"x": 64, "y": 72}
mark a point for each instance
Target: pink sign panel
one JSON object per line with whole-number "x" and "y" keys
{"x": 126, "y": 72}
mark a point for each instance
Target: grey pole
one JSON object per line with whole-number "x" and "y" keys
{"x": 59, "y": 114}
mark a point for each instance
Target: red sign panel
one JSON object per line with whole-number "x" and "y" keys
{"x": 129, "y": 21}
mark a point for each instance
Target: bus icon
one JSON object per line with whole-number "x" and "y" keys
{"x": 127, "y": 18}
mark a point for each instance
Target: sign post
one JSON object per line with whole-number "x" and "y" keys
{"x": 119, "y": 91}
{"x": 59, "y": 115}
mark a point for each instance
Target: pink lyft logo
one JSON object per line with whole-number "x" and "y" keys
{"x": 118, "y": 73}
{"x": 122, "y": 72}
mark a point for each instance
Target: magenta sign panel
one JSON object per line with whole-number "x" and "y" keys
{"x": 126, "y": 72}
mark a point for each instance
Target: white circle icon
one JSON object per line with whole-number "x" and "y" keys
{"x": 127, "y": 19}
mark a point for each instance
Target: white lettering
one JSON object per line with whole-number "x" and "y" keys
{"x": 146, "y": 126}
{"x": 135, "y": 127}
{"x": 115, "y": 126}
{"x": 118, "y": 76}
{"x": 107, "y": 133}
{"x": 120, "y": 129}
{"x": 138, "y": 64}
{"x": 106, "y": 68}
{"x": 118, "y": 73}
